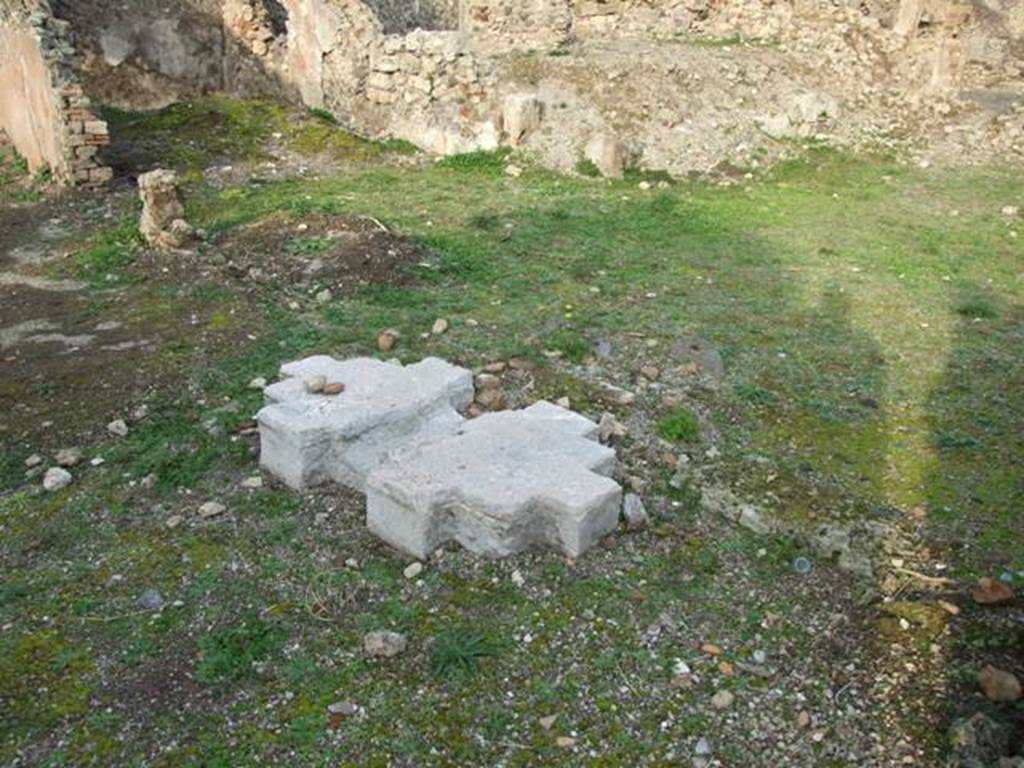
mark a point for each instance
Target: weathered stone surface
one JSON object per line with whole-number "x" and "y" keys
{"x": 521, "y": 116}
{"x": 308, "y": 438}
{"x": 162, "y": 223}
{"x": 607, "y": 154}
{"x": 502, "y": 483}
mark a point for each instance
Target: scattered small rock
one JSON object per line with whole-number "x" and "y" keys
{"x": 324, "y": 296}
{"x": 56, "y": 479}
{"x": 992, "y": 592}
{"x": 259, "y": 383}
{"x": 635, "y": 512}
{"x": 333, "y": 388}
{"x": 384, "y": 644}
{"x": 387, "y": 339}
{"x": 711, "y": 649}
{"x": 517, "y": 579}
{"x": 804, "y": 719}
{"x": 315, "y": 384}
{"x": 1011, "y": 210}
{"x": 440, "y": 326}
{"x": 496, "y": 367}
{"x": 998, "y": 685}
{"x": 547, "y": 723}
{"x": 68, "y": 457}
{"x": 565, "y": 742}
{"x": 211, "y": 509}
{"x": 702, "y": 747}
{"x": 118, "y": 427}
{"x": 151, "y": 600}
{"x": 722, "y": 700}
{"x": 339, "y": 711}
{"x": 174, "y": 521}
{"x": 610, "y": 428}
{"x": 513, "y": 170}
{"x": 413, "y": 570}
{"x": 651, "y": 372}
{"x": 253, "y": 483}
{"x": 33, "y": 461}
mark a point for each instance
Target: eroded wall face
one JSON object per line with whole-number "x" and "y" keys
{"x": 43, "y": 109}
{"x": 146, "y": 53}
{"x": 27, "y": 111}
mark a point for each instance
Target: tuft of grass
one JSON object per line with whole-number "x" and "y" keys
{"x": 572, "y": 344}
{"x": 587, "y": 167}
{"x": 481, "y": 161}
{"x": 680, "y": 426}
{"x": 977, "y": 307}
{"x": 322, "y": 115}
{"x": 229, "y": 654}
{"x": 458, "y": 652}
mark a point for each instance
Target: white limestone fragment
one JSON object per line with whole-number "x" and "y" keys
{"x": 309, "y": 438}
{"x": 504, "y": 482}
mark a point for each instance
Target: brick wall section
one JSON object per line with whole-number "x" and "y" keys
{"x": 43, "y": 109}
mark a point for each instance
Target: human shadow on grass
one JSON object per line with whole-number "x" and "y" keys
{"x": 975, "y": 498}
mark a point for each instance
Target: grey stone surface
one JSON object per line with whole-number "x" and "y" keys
{"x": 503, "y": 482}
{"x": 309, "y": 438}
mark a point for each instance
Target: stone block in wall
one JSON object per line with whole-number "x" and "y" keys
{"x": 604, "y": 151}
{"x": 95, "y": 128}
{"x": 521, "y": 115}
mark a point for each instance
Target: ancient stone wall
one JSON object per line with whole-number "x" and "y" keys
{"x": 146, "y": 53}
{"x": 43, "y": 109}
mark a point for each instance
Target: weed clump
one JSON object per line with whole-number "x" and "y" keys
{"x": 680, "y": 426}
{"x": 230, "y": 653}
{"x": 458, "y": 652}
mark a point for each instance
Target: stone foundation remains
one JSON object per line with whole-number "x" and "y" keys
{"x": 497, "y": 484}
{"x": 686, "y": 86}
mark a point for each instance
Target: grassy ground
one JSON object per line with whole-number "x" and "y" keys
{"x": 870, "y": 319}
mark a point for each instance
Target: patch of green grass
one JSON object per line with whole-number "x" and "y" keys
{"x": 322, "y": 115}
{"x": 977, "y": 307}
{"x": 229, "y": 654}
{"x": 490, "y": 162}
{"x": 457, "y": 652}
{"x": 194, "y": 135}
{"x": 679, "y": 426}
{"x": 107, "y": 258}
{"x": 399, "y": 146}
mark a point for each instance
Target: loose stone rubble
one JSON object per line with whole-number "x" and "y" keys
{"x": 496, "y": 484}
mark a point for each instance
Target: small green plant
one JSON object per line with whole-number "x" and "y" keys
{"x": 309, "y": 246}
{"x": 587, "y": 167}
{"x": 230, "y": 653}
{"x": 573, "y": 346}
{"x": 399, "y": 147}
{"x": 680, "y": 426}
{"x": 323, "y": 115}
{"x": 458, "y": 652}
